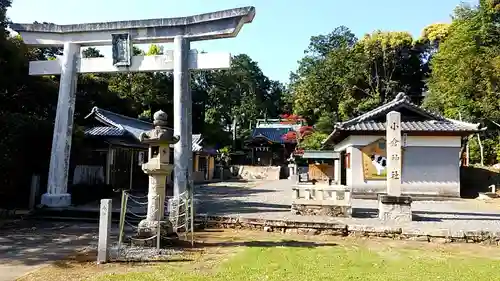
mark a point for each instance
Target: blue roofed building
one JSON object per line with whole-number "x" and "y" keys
{"x": 268, "y": 146}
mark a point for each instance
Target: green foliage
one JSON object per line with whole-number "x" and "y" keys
{"x": 466, "y": 73}
{"x": 491, "y": 150}
{"x": 326, "y": 123}
{"x": 242, "y": 92}
{"x": 91, "y": 52}
{"x": 4, "y": 5}
{"x": 313, "y": 141}
{"x": 435, "y": 33}
{"x": 466, "y": 69}
{"x": 224, "y": 156}
{"x": 341, "y": 77}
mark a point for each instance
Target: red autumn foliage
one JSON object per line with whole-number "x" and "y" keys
{"x": 305, "y": 131}
{"x": 290, "y": 118}
{"x": 298, "y": 151}
{"x": 301, "y": 133}
{"x": 295, "y": 136}
{"x": 290, "y": 136}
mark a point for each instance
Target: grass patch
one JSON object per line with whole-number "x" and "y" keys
{"x": 243, "y": 255}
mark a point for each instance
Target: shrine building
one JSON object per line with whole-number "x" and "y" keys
{"x": 431, "y": 146}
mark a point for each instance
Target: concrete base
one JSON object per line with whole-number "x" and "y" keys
{"x": 321, "y": 210}
{"x": 394, "y": 208}
{"x": 56, "y": 200}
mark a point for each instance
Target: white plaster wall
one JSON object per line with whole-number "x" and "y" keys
{"x": 442, "y": 179}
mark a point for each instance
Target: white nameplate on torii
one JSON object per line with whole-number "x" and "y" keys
{"x": 202, "y": 61}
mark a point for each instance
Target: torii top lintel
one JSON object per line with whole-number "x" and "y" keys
{"x": 215, "y": 25}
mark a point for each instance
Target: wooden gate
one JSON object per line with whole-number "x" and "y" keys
{"x": 321, "y": 172}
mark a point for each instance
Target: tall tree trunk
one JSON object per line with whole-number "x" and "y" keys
{"x": 480, "y": 149}
{"x": 464, "y": 148}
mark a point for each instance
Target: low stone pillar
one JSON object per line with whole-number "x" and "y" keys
{"x": 393, "y": 206}
{"x": 337, "y": 176}
{"x": 104, "y": 231}
{"x": 291, "y": 170}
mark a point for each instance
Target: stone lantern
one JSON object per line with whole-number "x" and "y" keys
{"x": 158, "y": 168}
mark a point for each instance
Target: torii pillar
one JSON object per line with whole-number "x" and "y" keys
{"x": 121, "y": 36}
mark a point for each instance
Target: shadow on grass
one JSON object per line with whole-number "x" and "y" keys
{"x": 142, "y": 262}
{"x": 264, "y": 244}
{"x": 91, "y": 257}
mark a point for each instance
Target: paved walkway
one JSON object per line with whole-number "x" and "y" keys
{"x": 31, "y": 245}
{"x": 272, "y": 200}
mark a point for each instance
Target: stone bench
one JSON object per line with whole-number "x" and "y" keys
{"x": 322, "y": 200}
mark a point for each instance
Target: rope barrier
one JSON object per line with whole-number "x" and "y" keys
{"x": 178, "y": 210}
{"x": 136, "y": 196}
{"x": 138, "y": 202}
{"x": 136, "y": 215}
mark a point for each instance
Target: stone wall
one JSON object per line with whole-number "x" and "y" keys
{"x": 258, "y": 172}
{"x": 341, "y": 229}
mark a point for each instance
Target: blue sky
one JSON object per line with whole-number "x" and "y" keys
{"x": 279, "y": 33}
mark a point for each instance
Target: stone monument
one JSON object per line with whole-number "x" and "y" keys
{"x": 393, "y": 206}
{"x": 104, "y": 231}
{"x": 157, "y": 168}
{"x": 121, "y": 35}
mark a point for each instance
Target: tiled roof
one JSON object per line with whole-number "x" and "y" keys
{"x": 196, "y": 141}
{"x": 271, "y": 134}
{"x": 432, "y": 122}
{"x": 131, "y": 125}
{"x": 104, "y": 131}
{"x": 410, "y": 126}
{"x": 401, "y": 101}
{"x": 120, "y": 125}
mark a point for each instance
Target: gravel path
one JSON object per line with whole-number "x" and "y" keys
{"x": 272, "y": 200}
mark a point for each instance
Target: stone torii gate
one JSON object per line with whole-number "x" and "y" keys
{"x": 121, "y": 36}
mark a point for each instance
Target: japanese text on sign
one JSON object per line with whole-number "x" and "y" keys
{"x": 394, "y": 142}
{"x": 394, "y": 126}
{"x": 395, "y": 175}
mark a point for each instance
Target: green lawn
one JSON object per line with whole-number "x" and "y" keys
{"x": 343, "y": 259}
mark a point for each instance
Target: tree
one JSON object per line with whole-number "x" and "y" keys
{"x": 341, "y": 77}
{"x": 314, "y": 141}
{"x": 391, "y": 65}
{"x": 92, "y": 52}
{"x": 147, "y": 92}
{"x": 4, "y": 5}
{"x": 242, "y": 92}
{"x": 433, "y": 35}
{"x": 300, "y": 136}
{"x": 318, "y": 83}
{"x": 466, "y": 71}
